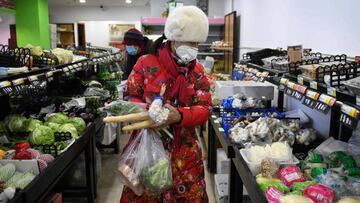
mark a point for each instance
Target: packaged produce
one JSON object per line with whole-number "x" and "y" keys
{"x": 273, "y": 195}
{"x": 21, "y": 146}
{"x": 23, "y": 155}
{"x": 291, "y": 174}
{"x": 95, "y": 91}
{"x": 157, "y": 112}
{"x": 59, "y": 118}
{"x": 295, "y": 199}
{"x": 120, "y": 107}
{"x": 316, "y": 172}
{"x": 16, "y": 123}
{"x": 319, "y": 193}
{"x": 155, "y": 174}
{"x": 306, "y": 136}
{"x": 239, "y": 134}
{"x": 349, "y": 200}
{"x": 280, "y": 186}
{"x": 333, "y": 181}
{"x": 145, "y": 164}
{"x": 281, "y": 151}
{"x": 314, "y": 157}
{"x": 42, "y": 135}
{"x": 67, "y": 127}
{"x": 300, "y": 186}
{"x": 269, "y": 168}
{"x": 7, "y": 171}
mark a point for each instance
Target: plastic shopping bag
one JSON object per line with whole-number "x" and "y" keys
{"x": 155, "y": 174}
{"x": 145, "y": 165}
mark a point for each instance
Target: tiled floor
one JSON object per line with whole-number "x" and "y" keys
{"x": 110, "y": 187}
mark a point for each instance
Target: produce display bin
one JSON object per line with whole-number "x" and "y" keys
{"x": 224, "y": 89}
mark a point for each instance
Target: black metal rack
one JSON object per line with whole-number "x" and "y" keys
{"x": 240, "y": 173}
{"x": 13, "y": 57}
{"x": 47, "y": 180}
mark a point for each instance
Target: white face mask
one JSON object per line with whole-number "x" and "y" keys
{"x": 186, "y": 53}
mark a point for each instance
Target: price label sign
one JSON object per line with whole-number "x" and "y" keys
{"x": 313, "y": 85}
{"x": 283, "y": 84}
{"x": 331, "y": 91}
{"x": 300, "y": 80}
{"x": 19, "y": 81}
{"x": 49, "y": 76}
{"x": 5, "y": 87}
{"x": 358, "y": 100}
{"x": 330, "y": 101}
{"x": 66, "y": 71}
{"x": 311, "y": 99}
{"x": 349, "y": 116}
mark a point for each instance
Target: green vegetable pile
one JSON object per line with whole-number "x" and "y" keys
{"x": 157, "y": 177}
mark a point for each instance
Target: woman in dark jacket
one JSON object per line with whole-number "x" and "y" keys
{"x": 136, "y": 46}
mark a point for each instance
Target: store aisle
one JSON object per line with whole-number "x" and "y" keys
{"x": 110, "y": 187}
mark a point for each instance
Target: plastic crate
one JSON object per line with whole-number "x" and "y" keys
{"x": 236, "y": 75}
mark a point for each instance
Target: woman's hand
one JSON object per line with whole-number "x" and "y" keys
{"x": 174, "y": 117}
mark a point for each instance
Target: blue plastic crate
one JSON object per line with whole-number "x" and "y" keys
{"x": 236, "y": 75}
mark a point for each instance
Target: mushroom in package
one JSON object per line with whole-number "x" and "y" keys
{"x": 306, "y": 136}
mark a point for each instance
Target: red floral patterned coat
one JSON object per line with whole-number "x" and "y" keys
{"x": 144, "y": 83}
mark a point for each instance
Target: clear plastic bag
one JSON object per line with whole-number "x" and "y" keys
{"x": 145, "y": 165}
{"x": 120, "y": 107}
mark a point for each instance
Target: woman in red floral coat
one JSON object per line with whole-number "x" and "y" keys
{"x": 174, "y": 65}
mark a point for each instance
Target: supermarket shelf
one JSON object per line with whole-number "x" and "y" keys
{"x": 47, "y": 179}
{"x": 22, "y": 75}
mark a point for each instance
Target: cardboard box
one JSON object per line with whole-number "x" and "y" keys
{"x": 222, "y": 162}
{"x": 295, "y": 53}
{"x": 258, "y": 90}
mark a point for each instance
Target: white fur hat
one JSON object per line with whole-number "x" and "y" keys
{"x": 187, "y": 24}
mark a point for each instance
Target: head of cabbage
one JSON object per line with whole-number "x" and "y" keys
{"x": 53, "y": 126}
{"x": 42, "y": 135}
{"x": 78, "y": 123}
{"x": 68, "y": 127}
{"x": 31, "y": 124}
{"x": 59, "y": 118}
{"x": 16, "y": 123}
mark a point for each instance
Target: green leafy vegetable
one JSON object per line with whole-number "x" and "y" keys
{"x": 42, "y": 135}
{"x": 78, "y": 123}
{"x": 157, "y": 177}
{"x": 52, "y": 125}
{"x": 31, "y": 124}
{"x": 67, "y": 127}
{"x": 119, "y": 108}
{"x": 16, "y": 123}
{"x": 59, "y": 118}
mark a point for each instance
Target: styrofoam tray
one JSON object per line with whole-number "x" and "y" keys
{"x": 255, "y": 167}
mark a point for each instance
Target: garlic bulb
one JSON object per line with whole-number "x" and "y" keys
{"x": 157, "y": 112}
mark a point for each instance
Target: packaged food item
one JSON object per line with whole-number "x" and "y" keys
{"x": 319, "y": 193}
{"x": 269, "y": 168}
{"x": 314, "y": 157}
{"x": 295, "y": 199}
{"x": 273, "y": 195}
{"x": 315, "y": 172}
{"x": 280, "y": 186}
{"x": 300, "y": 186}
{"x": 333, "y": 181}
{"x": 291, "y": 174}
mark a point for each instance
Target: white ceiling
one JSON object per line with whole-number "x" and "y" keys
{"x": 98, "y": 3}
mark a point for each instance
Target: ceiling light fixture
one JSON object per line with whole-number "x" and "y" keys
{"x": 128, "y": 1}
{"x": 82, "y": 1}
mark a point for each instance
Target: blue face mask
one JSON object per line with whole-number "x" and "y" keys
{"x": 132, "y": 50}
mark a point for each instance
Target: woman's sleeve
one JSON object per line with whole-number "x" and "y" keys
{"x": 135, "y": 84}
{"x": 201, "y": 111}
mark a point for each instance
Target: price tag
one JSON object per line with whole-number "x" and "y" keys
{"x": 309, "y": 102}
{"x": 331, "y": 91}
{"x": 330, "y": 101}
{"x": 284, "y": 81}
{"x": 49, "y": 76}
{"x": 5, "y": 87}
{"x": 33, "y": 78}
{"x": 313, "y": 85}
{"x": 300, "y": 80}
{"x": 313, "y": 95}
{"x": 358, "y": 100}
{"x": 66, "y": 70}
{"x": 322, "y": 107}
{"x": 348, "y": 121}
{"x": 350, "y": 111}
{"x": 19, "y": 81}
{"x": 300, "y": 88}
